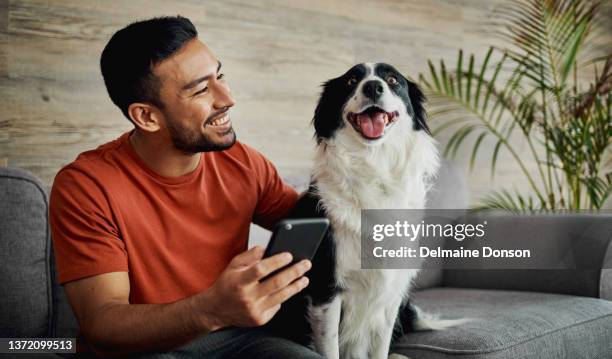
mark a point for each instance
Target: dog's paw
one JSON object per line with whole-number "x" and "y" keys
{"x": 439, "y": 324}
{"x": 397, "y": 356}
{"x": 429, "y": 321}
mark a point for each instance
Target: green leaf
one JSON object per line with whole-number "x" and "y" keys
{"x": 449, "y": 123}
{"x": 445, "y": 82}
{"x": 570, "y": 56}
{"x": 483, "y": 69}
{"x": 459, "y": 70}
{"x": 475, "y": 149}
{"x": 468, "y": 91}
{"x": 434, "y": 75}
{"x": 491, "y": 86}
{"x": 455, "y": 140}
{"x": 494, "y": 158}
{"x": 464, "y": 132}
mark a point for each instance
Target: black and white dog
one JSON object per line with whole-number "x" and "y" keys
{"x": 374, "y": 151}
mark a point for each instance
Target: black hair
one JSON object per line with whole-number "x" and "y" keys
{"x": 130, "y": 55}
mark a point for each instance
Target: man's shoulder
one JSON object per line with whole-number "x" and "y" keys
{"x": 245, "y": 154}
{"x": 97, "y": 165}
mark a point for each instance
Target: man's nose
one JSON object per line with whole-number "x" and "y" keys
{"x": 223, "y": 97}
{"x": 373, "y": 89}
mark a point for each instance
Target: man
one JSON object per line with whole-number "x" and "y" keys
{"x": 150, "y": 230}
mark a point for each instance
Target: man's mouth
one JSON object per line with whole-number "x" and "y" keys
{"x": 371, "y": 122}
{"x": 219, "y": 121}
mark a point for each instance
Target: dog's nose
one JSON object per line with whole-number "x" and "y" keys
{"x": 373, "y": 89}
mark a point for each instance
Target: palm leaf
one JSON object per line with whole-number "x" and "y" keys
{"x": 547, "y": 36}
{"x": 475, "y": 149}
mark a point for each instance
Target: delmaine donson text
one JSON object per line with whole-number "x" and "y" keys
{"x": 459, "y": 232}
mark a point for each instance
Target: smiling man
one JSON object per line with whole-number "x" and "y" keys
{"x": 150, "y": 230}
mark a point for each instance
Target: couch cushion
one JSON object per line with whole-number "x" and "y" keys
{"x": 26, "y": 292}
{"x": 511, "y": 324}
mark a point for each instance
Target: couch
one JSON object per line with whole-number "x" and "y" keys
{"x": 541, "y": 314}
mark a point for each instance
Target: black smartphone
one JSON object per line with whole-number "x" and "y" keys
{"x": 300, "y": 237}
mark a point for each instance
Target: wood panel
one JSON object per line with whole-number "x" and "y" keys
{"x": 53, "y": 104}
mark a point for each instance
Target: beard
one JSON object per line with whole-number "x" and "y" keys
{"x": 191, "y": 141}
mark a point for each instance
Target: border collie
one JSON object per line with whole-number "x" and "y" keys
{"x": 374, "y": 151}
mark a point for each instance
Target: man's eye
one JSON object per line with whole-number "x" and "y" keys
{"x": 220, "y": 76}
{"x": 204, "y": 90}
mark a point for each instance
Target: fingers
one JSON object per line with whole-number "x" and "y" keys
{"x": 284, "y": 278}
{"x": 269, "y": 313}
{"x": 282, "y": 295}
{"x": 268, "y": 265}
{"x": 249, "y": 257}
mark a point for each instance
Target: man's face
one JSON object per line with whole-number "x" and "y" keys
{"x": 196, "y": 100}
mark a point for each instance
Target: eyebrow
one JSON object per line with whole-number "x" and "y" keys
{"x": 197, "y": 81}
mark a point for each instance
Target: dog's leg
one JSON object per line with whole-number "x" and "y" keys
{"x": 357, "y": 319}
{"x": 368, "y": 337}
{"x": 382, "y": 333}
{"x": 382, "y": 341}
{"x": 325, "y": 322}
{"x": 357, "y": 350}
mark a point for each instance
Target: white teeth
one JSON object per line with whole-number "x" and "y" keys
{"x": 220, "y": 121}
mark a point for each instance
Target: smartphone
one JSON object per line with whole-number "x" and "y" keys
{"x": 300, "y": 237}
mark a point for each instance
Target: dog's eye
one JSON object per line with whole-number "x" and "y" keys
{"x": 392, "y": 80}
{"x": 352, "y": 81}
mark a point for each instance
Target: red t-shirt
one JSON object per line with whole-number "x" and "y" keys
{"x": 174, "y": 235}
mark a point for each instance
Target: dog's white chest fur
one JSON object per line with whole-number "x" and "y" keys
{"x": 393, "y": 176}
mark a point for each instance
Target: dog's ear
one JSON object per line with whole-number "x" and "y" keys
{"x": 417, "y": 100}
{"x": 328, "y": 113}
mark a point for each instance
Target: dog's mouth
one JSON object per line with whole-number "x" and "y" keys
{"x": 371, "y": 122}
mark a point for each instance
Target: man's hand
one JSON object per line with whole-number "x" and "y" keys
{"x": 240, "y": 298}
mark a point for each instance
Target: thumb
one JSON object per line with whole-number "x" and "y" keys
{"x": 248, "y": 257}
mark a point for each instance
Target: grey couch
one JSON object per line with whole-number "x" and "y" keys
{"x": 517, "y": 313}
{"x": 32, "y": 305}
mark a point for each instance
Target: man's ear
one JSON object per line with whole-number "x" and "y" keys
{"x": 417, "y": 100}
{"x": 145, "y": 116}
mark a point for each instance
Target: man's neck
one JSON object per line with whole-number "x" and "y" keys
{"x": 162, "y": 157}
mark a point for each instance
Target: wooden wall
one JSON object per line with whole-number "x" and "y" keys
{"x": 276, "y": 53}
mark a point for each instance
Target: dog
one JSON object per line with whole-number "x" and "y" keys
{"x": 374, "y": 151}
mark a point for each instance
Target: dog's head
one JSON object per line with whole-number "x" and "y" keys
{"x": 367, "y": 104}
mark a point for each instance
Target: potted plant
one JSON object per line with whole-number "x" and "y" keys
{"x": 535, "y": 88}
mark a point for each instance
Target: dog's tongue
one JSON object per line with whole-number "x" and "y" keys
{"x": 372, "y": 125}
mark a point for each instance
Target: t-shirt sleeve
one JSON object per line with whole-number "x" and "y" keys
{"x": 85, "y": 238}
{"x": 275, "y": 198}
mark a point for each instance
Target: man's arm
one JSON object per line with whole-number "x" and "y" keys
{"x": 113, "y": 326}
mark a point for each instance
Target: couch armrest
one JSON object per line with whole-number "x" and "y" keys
{"x": 588, "y": 235}
{"x": 605, "y": 280}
